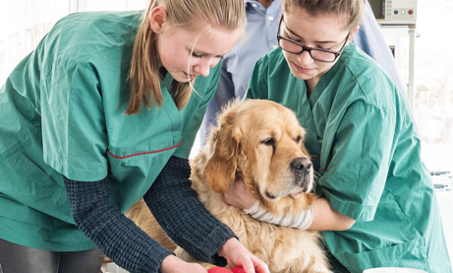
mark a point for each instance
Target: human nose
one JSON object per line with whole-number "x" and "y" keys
{"x": 305, "y": 57}
{"x": 203, "y": 67}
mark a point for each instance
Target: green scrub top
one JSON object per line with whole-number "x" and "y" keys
{"x": 364, "y": 148}
{"x": 62, "y": 113}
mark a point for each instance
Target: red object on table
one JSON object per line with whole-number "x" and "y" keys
{"x": 235, "y": 269}
{"x": 238, "y": 269}
{"x": 219, "y": 270}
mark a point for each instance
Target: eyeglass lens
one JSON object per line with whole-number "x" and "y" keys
{"x": 315, "y": 54}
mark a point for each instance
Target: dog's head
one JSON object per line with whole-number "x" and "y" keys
{"x": 260, "y": 142}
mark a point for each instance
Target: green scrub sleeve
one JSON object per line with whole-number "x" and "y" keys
{"x": 194, "y": 123}
{"x": 356, "y": 175}
{"x": 258, "y": 81}
{"x": 73, "y": 125}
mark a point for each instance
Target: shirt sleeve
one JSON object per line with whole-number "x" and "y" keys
{"x": 258, "y": 82}
{"x": 177, "y": 209}
{"x": 225, "y": 89}
{"x": 369, "y": 38}
{"x": 302, "y": 221}
{"x": 360, "y": 159}
{"x": 73, "y": 123}
{"x": 115, "y": 235}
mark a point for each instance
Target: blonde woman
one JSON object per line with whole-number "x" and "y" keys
{"x": 103, "y": 113}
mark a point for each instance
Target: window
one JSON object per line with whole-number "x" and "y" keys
{"x": 434, "y": 99}
{"x": 434, "y": 84}
{"x": 27, "y": 22}
{"x": 110, "y": 5}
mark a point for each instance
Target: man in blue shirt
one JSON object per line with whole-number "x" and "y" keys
{"x": 261, "y": 37}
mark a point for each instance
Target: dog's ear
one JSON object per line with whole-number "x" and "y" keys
{"x": 220, "y": 168}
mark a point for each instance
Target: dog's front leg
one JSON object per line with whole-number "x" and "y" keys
{"x": 183, "y": 255}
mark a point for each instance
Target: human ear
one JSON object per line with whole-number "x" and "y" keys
{"x": 353, "y": 33}
{"x": 157, "y": 18}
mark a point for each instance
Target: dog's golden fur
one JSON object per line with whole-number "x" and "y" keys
{"x": 255, "y": 141}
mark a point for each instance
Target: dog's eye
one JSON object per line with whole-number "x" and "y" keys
{"x": 298, "y": 139}
{"x": 269, "y": 141}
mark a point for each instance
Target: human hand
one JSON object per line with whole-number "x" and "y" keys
{"x": 173, "y": 264}
{"x": 238, "y": 196}
{"x": 237, "y": 255}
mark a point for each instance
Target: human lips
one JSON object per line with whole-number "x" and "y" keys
{"x": 190, "y": 76}
{"x": 302, "y": 69}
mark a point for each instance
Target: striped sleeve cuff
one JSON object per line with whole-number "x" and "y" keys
{"x": 301, "y": 221}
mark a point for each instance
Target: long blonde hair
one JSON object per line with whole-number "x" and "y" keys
{"x": 144, "y": 69}
{"x": 353, "y": 9}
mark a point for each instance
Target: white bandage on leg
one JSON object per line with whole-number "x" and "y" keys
{"x": 301, "y": 221}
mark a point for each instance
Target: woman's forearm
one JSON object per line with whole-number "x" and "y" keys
{"x": 114, "y": 234}
{"x": 177, "y": 209}
{"x": 326, "y": 218}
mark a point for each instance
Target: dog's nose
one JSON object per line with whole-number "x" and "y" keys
{"x": 301, "y": 165}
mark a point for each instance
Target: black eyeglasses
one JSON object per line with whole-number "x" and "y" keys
{"x": 319, "y": 54}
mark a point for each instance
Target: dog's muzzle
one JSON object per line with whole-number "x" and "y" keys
{"x": 301, "y": 167}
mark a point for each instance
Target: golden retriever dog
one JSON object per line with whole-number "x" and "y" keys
{"x": 260, "y": 142}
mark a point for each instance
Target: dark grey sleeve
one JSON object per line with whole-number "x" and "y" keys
{"x": 183, "y": 217}
{"x": 114, "y": 234}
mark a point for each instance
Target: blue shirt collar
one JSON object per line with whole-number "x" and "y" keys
{"x": 276, "y": 2}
